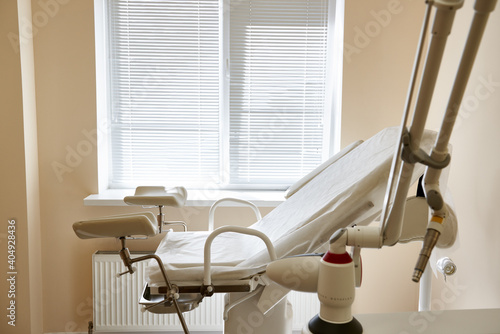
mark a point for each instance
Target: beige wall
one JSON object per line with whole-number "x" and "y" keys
{"x": 375, "y": 80}
{"x": 13, "y": 185}
{"x": 21, "y": 298}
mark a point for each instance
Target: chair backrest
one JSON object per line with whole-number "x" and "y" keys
{"x": 304, "y": 180}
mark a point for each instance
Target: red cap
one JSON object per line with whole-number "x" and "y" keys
{"x": 337, "y": 258}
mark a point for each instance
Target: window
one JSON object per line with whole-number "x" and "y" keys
{"x": 243, "y": 94}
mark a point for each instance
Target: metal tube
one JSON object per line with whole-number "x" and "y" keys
{"x": 169, "y": 286}
{"x": 207, "y": 280}
{"x": 424, "y": 293}
{"x": 411, "y": 89}
{"x": 160, "y": 218}
{"x": 441, "y": 29}
{"x": 430, "y": 240}
{"x": 483, "y": 9}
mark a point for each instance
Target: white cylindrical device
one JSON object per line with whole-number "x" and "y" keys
{"x": 336, "y": 284}
{"x": 336, "y": 287}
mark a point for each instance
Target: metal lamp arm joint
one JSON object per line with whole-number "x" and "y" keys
{"x": 418, "y": 155}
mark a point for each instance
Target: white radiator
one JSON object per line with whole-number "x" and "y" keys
{"x": 117, "y": 309}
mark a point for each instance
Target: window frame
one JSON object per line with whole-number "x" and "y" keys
{"x": 333, "y": 94}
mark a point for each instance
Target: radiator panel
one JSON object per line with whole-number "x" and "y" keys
{"x": 116, "y": 302}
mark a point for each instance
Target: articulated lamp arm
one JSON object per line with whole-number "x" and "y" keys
{"x": 410, "y": 138}
{"x": 433, "y": 193}
{"x": 443, "y": 21}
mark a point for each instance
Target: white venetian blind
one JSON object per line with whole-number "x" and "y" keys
{"x": 164, "y": 74}
{"x": 278, "y": 52}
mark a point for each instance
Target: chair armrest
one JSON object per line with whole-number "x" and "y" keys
{"x": 211, "y": 213}
{"x": 207, "y": 266}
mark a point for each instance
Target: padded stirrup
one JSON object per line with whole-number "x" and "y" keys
{"x": 158, "y": 196}
{"x": 137, "y": 224}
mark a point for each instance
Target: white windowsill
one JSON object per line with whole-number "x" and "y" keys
{"x": 198, "y": 198}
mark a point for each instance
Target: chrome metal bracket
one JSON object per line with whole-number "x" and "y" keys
{"x": 419, "y": 156}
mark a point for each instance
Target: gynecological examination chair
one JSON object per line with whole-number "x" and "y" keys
{"x": 358, "y": 199}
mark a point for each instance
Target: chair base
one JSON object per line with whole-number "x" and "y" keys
{"x": 319, "y": 326}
